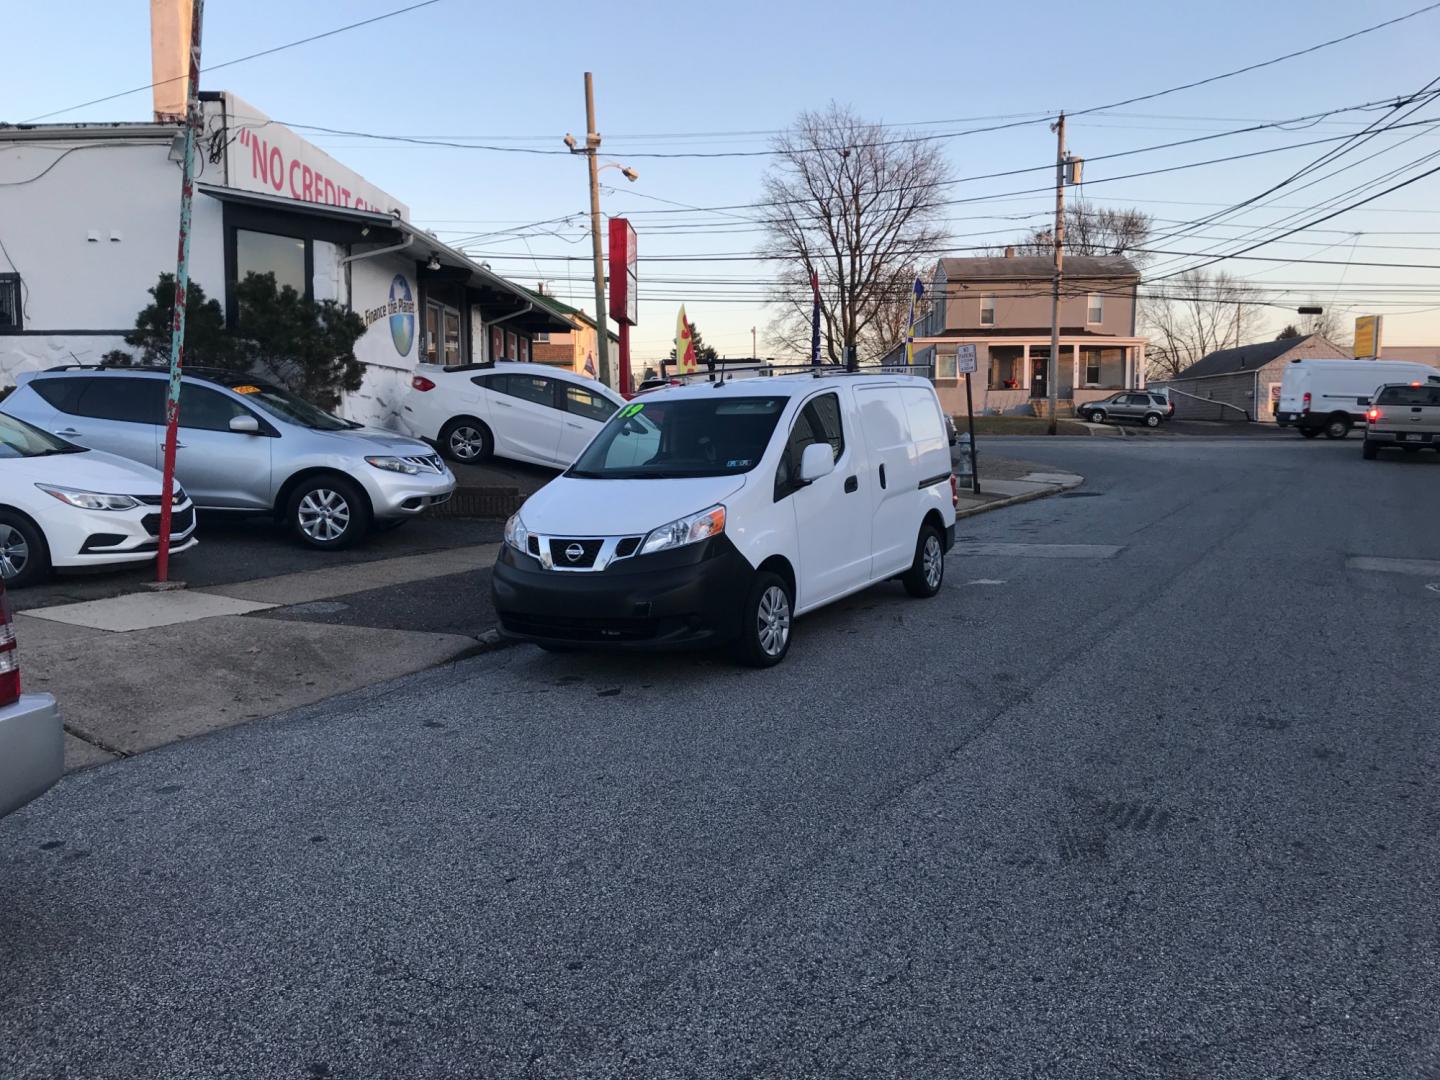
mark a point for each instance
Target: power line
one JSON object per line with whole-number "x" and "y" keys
{"x": 238, "y": 60}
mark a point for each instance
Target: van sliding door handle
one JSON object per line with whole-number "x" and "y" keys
{"x": 882, "y": 476}
{"x": 852, "y": 483}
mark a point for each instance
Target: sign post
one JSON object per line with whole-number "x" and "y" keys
{"x": 624, "y": 297}
{"x": 182, "y": 288}
{"x": 965, "y": 365}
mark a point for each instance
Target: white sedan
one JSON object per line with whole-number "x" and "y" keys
{"x": 525, "y": 412}
{"x": 64, "y": 506}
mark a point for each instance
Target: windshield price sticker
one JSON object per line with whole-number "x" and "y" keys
{"x": 631, "y": 410}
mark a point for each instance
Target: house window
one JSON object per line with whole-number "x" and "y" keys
{"x": 271, "y": 253}
{"x": 987, "y": 309}
{"x": 542, "y": 338}
{"x": 945, "y": 365}
{"x": 1095, "y": 311}
{"x": 11, "y": 309}
{"x": 1092, "y": 367}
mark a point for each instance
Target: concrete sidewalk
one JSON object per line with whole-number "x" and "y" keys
{"x": 137, "y": 671}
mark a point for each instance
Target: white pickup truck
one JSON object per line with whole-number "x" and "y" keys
{"x": 1330, "y": 397}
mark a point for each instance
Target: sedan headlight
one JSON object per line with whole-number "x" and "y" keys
{"x": 516, "y": 535}
{"x": 686, "y": 530}
{"x": 394, "y": 464}
{"x": 89, "y": 500}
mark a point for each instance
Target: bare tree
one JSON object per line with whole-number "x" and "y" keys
{"x": 847, "y": 200}
{"x": 1195, "y": 314}
{"x": 1095, "y": 230}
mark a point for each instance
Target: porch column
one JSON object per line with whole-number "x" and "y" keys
{"x": 1025, "y": 367}
{"x": 1139, "y": 362}
{"x": 1074, "y": 368}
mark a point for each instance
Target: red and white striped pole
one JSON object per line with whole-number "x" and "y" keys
{"x": 182, "y": 287}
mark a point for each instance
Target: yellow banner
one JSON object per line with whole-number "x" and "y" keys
{"x": 684, "y": 345}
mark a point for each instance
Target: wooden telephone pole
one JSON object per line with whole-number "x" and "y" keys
{"x": 1052, "y": 378}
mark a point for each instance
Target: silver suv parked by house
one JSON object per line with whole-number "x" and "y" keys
{"x": 1144, "y": 406}
{"x": 244, "y": 445}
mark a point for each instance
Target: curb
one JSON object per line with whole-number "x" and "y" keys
{"x": 487, "y": 641}
{"x": 1014, "y": 500}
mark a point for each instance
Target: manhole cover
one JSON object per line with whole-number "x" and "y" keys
{"x": 1082, "y": 495}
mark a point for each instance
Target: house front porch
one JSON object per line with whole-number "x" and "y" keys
{"x": 1012, "y": 371}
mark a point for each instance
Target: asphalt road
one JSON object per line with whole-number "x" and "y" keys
{"x": 1147, "y": 791}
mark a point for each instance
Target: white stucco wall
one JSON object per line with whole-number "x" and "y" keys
{"x": 383, "y": 291}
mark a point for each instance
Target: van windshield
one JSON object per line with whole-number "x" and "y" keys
{"x": 663, "y": 440}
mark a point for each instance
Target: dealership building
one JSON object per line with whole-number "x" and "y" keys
{"x": 89, "y": 216}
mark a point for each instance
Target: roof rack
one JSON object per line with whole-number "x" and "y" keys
{"x": 827, "y": 370}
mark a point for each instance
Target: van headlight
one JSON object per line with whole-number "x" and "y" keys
{"x": 516, "y": 535}
{"x": 686, "y": 530}
{"x": 394, "y": 464}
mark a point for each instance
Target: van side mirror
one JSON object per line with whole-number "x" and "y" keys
{"x": 245, "y": 425}
{"x": 817, "y": 461}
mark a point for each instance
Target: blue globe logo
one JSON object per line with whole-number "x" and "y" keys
{"x": 402, "y": 318}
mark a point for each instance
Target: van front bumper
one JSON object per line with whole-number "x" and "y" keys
{"x": 32, "y": 750}
{"x": 686, "y": 598}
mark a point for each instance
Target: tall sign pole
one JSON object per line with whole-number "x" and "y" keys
{"x": 1053, "y": 377}
{"x": 182, "y": 288}
{"x": 624, "y": 294}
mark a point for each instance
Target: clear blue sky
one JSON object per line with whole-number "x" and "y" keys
{"x": 513, "y": 73}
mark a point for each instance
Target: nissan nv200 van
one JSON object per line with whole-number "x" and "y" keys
{"x": 716, "y": 513}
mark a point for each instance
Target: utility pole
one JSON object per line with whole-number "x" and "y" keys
{"x": 592, "y": 150}
{"x": 182, "y": 288}
{"x": 754, "y": 352}
{"x": 1053, "y": 377}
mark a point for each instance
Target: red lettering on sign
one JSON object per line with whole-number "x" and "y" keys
{"x": 344, "y": 196}
{"x": 294, "y": 190}
{"x": 260, "y": 160}
{"x": 307, "y": 183}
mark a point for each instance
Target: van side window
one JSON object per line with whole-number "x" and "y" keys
{"x": 819, "y": 421}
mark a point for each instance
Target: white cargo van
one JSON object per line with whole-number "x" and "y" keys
{"x": 715, "y": 513}
{"x": 1331, "y": 396}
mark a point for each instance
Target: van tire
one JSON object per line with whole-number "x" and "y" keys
{"x": 466, "y": 440}
{"x": 1369, "y": 450}
{"x": 754, "y": 648}
{"x": 926, "y": 575}
{"x": 1337, "y": 426}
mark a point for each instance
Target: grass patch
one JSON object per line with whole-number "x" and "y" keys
{"x": 1020, "y": 425}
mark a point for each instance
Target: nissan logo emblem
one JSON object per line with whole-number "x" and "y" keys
{"x": 573, "y": 552}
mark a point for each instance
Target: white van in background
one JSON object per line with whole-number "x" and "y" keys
{"x": 1331, "y": 396}
{"x": 715, "y": 513}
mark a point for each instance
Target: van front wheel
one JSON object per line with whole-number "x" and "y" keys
{"x": 927, "y": 572}
{"x": 765, "y": 624}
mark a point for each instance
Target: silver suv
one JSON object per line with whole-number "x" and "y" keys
{"x": 244, "y": 445}
{"x": 1148, "y": 407}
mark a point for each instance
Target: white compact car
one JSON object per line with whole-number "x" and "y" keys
{"x": 62, "y": 505}
{"x": 526, "y": 412}
{"x": 715, "y": 513}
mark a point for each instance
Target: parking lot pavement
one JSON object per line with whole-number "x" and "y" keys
{"x": 453, "y": 604}
{"x": 242, "y": 548}
{"x": 1095, "y": 816}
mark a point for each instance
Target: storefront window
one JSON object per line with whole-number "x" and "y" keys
{"x": 497, "y": 344}
{"x": 270, "y": 253}
{"x": 452, "y": 337}
{"x": 512, "y": 345}
{"x": 432, "y": 333}
{"x": 525, "y": 349}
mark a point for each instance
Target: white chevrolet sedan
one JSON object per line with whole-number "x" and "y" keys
{"x": 64, "y": 506}
{"x": 525, "y": 412}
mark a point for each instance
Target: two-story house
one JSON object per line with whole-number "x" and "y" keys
{"x": 1001, "y": 305}
{"x": 576, "y": 350}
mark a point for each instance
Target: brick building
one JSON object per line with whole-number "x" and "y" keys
{"x": 574, "y": 349}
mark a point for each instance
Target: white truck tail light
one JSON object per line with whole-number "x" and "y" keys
{"x": 9, "y": 660}
{"x": 1305, "y": 402}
